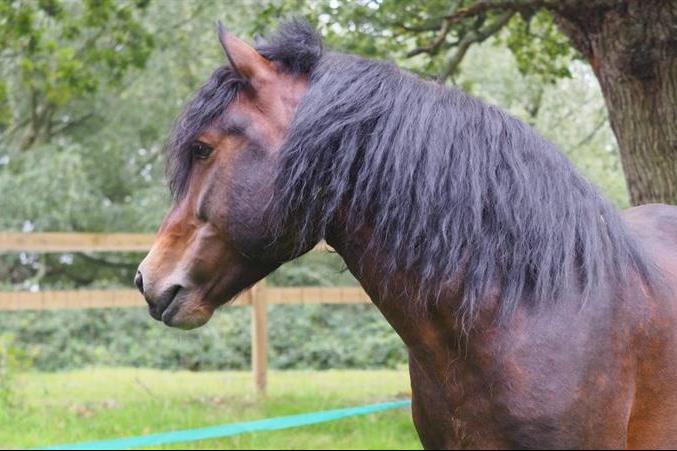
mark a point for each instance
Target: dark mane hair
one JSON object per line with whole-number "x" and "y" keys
{"x": 451, "y": 189}
{"x": 207, "y": 106}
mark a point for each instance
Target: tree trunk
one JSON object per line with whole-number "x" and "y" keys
{"x": 632, "y": 47}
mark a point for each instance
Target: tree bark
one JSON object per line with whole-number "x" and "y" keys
{"x": 632, "y": 48}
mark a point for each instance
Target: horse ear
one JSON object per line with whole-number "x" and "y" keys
{"x": 244, "y": 59}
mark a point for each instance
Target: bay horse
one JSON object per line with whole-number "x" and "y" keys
{"x": 535, "y": 314}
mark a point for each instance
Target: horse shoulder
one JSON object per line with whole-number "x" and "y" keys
{"x": 652, "y": 418}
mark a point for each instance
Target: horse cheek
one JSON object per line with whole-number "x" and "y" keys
{"x": 248, "y": 196}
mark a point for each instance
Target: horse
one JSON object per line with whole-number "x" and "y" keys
{"x": 535, "y": 314}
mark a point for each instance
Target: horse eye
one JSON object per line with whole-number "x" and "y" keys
{"x": 201, "y": 151}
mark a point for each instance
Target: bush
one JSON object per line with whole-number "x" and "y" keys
{"x": 301, "y": 337}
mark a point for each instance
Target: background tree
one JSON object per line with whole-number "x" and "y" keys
{"x": 55, "y": 53}
{"x": 631, "y": 46}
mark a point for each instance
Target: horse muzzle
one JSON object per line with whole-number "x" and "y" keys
{"x": 176, "y": 305}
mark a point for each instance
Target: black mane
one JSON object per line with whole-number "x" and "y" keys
{"x": 449, "y": 186}
{"x": 207, "y": 106}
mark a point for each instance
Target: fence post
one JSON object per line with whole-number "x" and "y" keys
{"x": 259, "y": 335}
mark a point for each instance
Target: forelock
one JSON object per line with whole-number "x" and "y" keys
{"x": 295, "y": 44}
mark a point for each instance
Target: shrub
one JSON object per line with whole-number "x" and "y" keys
{"x": 301, "y": 337}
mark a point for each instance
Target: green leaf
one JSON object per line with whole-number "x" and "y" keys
{"x": 538, "y": 46}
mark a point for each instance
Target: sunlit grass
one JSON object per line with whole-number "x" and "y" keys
{"x": 113, "y": 403}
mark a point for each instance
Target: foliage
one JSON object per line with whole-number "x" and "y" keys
{"x": 411, "y": 32}
{"x": 110, "y": 403}
{"x": 57, "y": 52}
{"x": 317, "y": 337}
{"x": 538, "y": 47}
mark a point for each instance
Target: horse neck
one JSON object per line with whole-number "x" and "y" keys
{"x": 431, "y": 329}
{"x": 419, "y": 322}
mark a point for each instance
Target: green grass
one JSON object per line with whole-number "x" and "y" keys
{"x": 113, "y": 403}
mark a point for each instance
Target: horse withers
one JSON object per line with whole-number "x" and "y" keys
{"x": 535, "y": 315}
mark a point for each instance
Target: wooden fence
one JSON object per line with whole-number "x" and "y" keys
{"x": 258, "y": 298}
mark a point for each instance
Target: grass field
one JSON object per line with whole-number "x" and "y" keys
{"x": 113, "y": 403}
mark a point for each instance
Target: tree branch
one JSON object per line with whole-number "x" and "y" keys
{"x": 508, "y": 8}
{"x": 6, "y": 134}
{"x": 473, "y": 37}
{"x": 435, "y": 45}
{"x": 420, "y": 28}
{"x": 589, "y": 137}
{"x": 106, "y": 262}
{"x": 63, "y": 126}
{"x": 484, "y": 6}
{"x": 444, "y": 29}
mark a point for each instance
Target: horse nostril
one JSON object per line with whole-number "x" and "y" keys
{"x": 138, "y": 281}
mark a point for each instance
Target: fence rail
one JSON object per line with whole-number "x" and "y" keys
{"x": 57, "y": 242}
{"x": 75, "y": 242}
{"x": 98, "y": 299}
{"x": 258, "y": 298}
